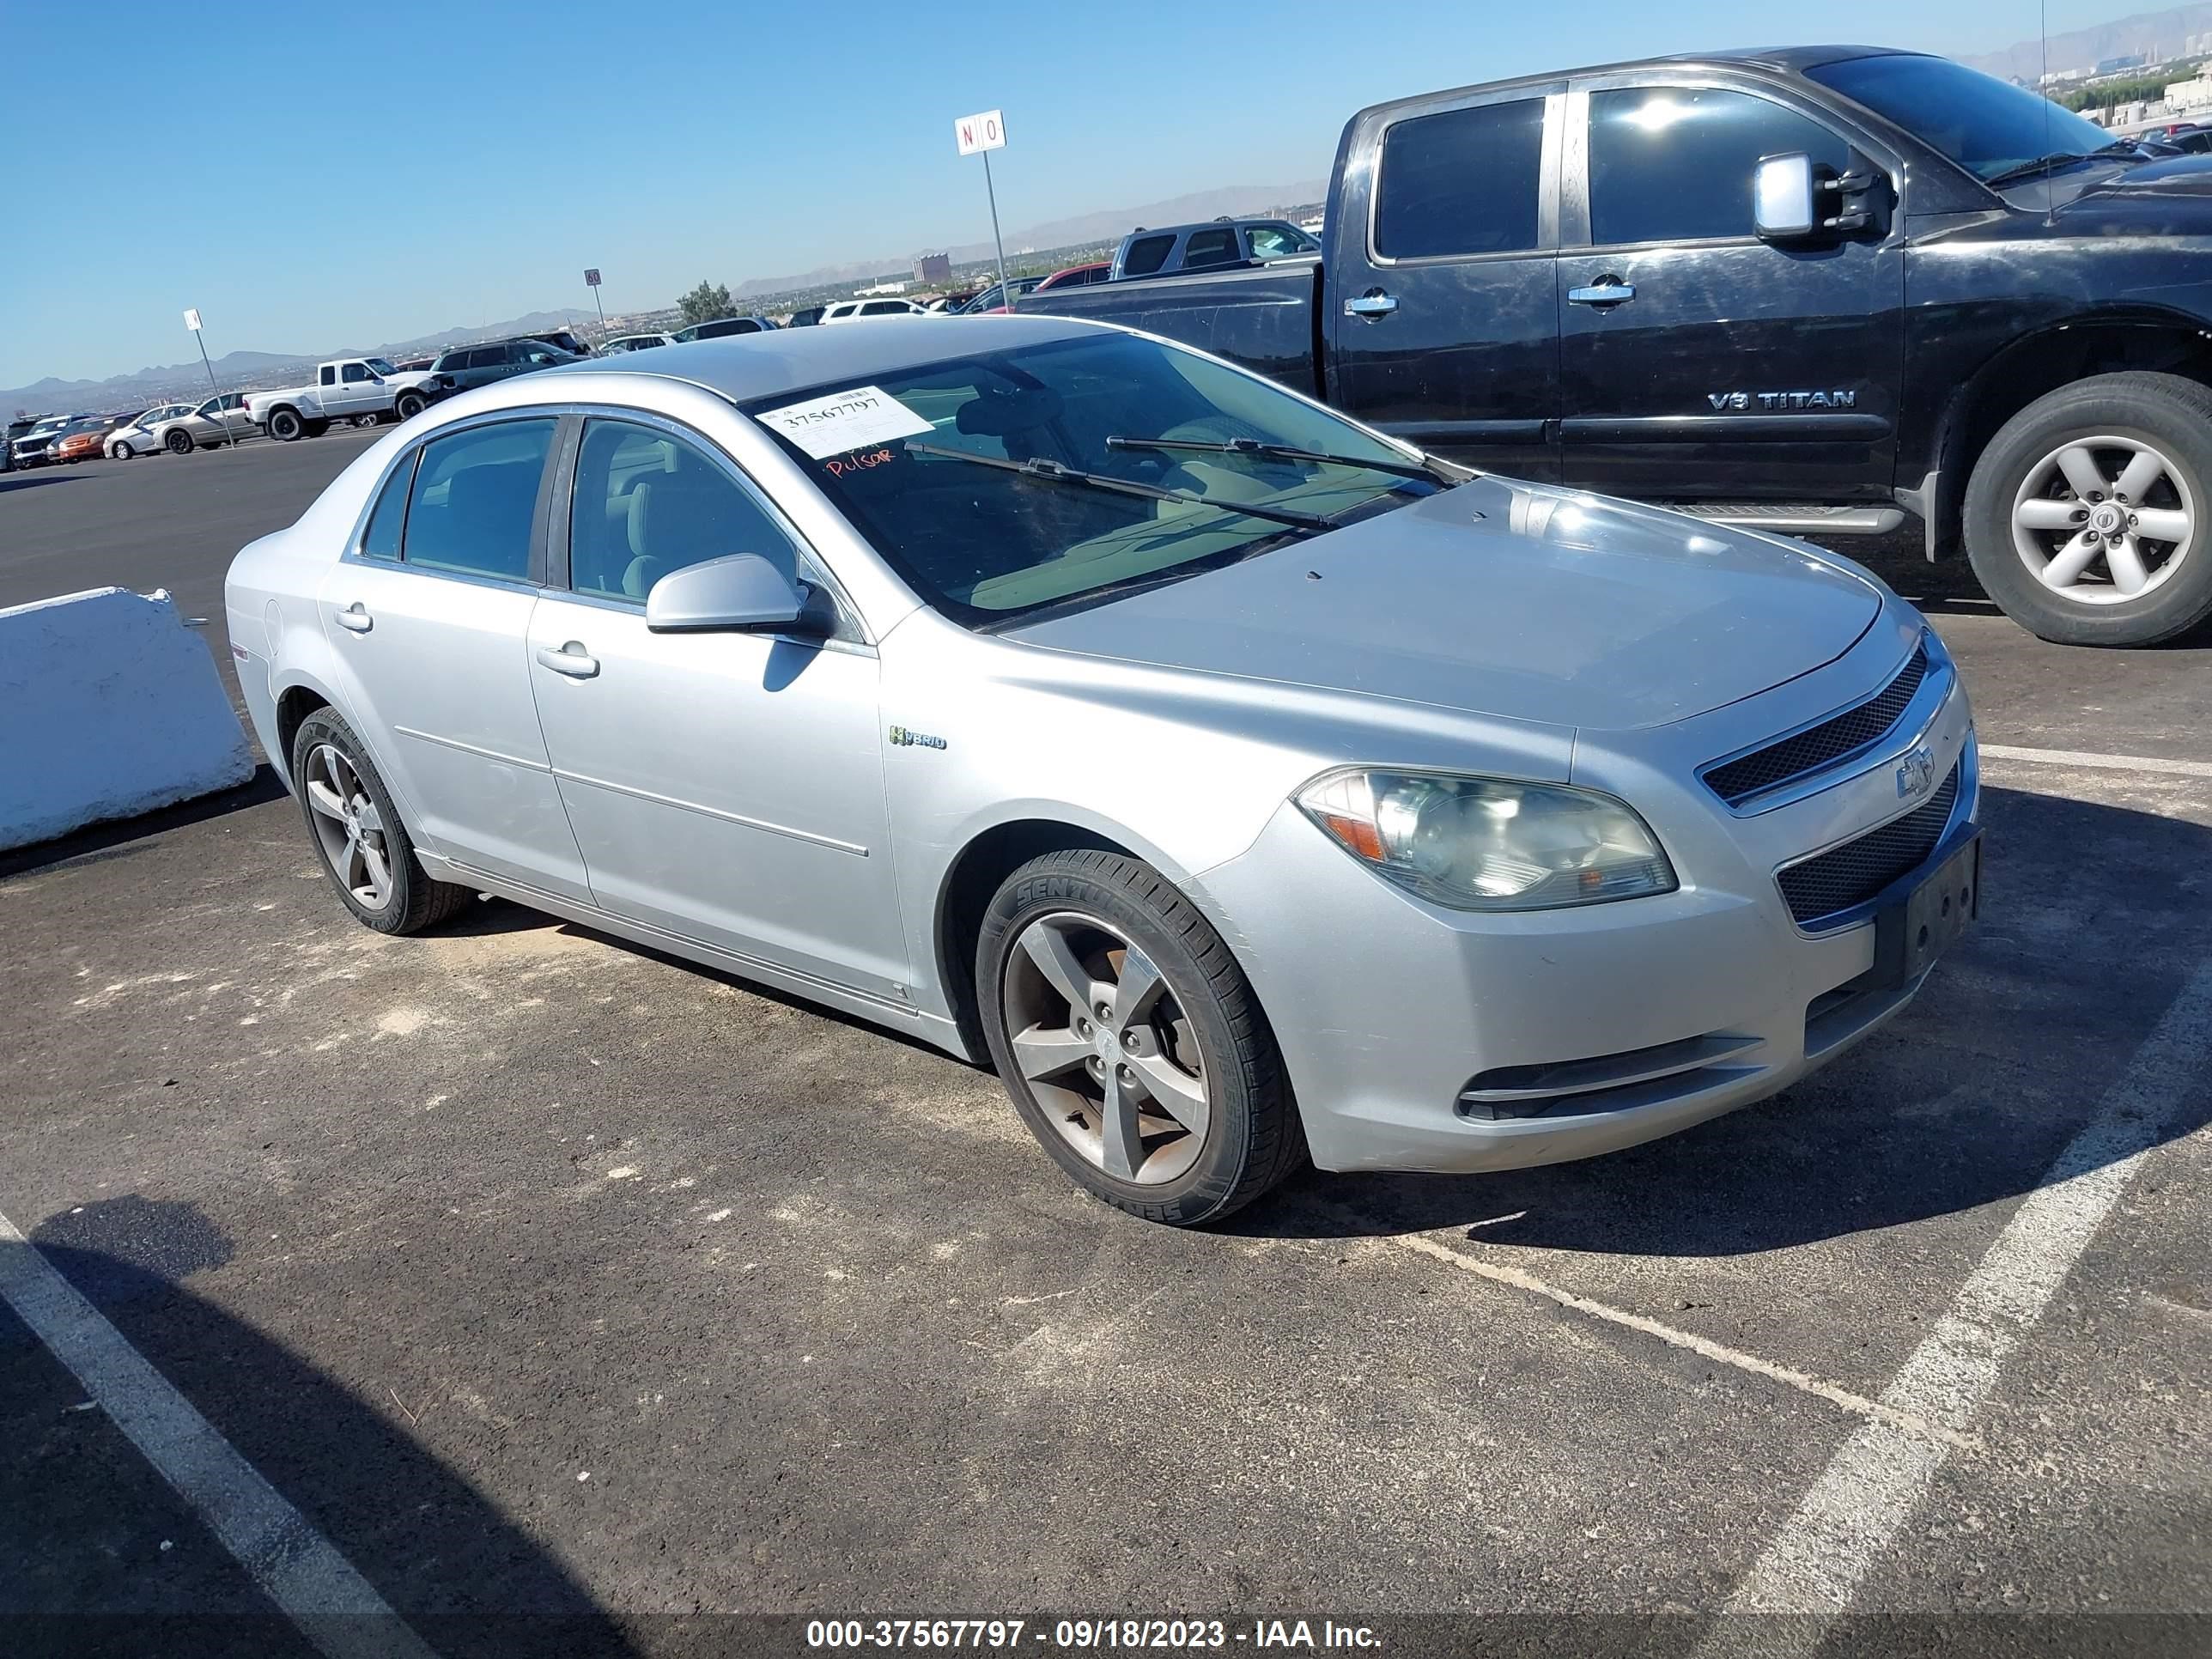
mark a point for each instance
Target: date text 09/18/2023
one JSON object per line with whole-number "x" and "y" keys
{"x": 1123, "y": 1634}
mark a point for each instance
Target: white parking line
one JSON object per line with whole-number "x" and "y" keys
{"x": 1872, "y": 1487}
{"x": 333, "y": 1606}
{"x": 1903, "y": 1420}
{"x": 2077, "y": 758}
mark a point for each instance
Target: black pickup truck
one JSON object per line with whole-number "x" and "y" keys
{"x": 1811, "y": 291}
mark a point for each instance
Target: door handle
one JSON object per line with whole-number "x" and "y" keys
{"x": 1375, "y": 303}
{"x": 570, "y": 659}
{"x": 1607, "y": 291}
{"x": 355, "y": 620}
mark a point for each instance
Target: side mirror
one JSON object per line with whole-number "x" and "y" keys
{"x": 741, "y": 593}
{"x": 1782, "y": 204}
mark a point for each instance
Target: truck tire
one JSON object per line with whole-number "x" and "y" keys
{"x": 286, "y": 427}
{"x": 2087, "y": 517}
{"x": 408, "y": 406}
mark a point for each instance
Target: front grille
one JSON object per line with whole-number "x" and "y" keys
{"x": 1853, "y": 873}
{"x": 1820, "y": 745}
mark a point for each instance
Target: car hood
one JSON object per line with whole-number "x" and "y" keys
{"x": 2172, "y": 195}
{"x": 1505, "y": 599}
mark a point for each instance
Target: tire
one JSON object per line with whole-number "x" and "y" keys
{"x": 285, "y": 426}
{"x": 362, "y": 422}
{"x": 409, "y": 405}
{"x": 410, "y": 900}
{"x": 178, "y": 441}
{"x": 120, "y": 452}
{"x": 1202, "y": 1031}
{"x": 2033, "y": 511}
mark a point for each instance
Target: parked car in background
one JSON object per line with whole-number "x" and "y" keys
{"x": 1098, "y": 270}
{"x": 207, "y": 425}
{"x": 84, "y": 439}
{"x": 136, "y": 435}
{"x": 623, "y": 343}
{"x": 994, "y": 298}
{"x": 31, "y": 449}
{"x": 465, "y": 367}
{"x": 1445, "y": 875}
{"x": 1217, "y": 244}
{"x": 562, "y": 339}
{"x": 1811, "y": 290}
{"x": 850, "y": 310}
{"x": 939, "y": 304}
{"x": 414, "y": 365}
{"x": 722, "y": 327}
{"x": 343, "y": 388}
{"x": 804, "y": 317}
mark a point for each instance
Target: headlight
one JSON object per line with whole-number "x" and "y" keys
{"x": 1487, "y": 843}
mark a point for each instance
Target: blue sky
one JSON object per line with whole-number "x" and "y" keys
{"x": 312, "y": 176}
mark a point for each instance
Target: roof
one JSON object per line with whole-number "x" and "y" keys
{"x": 746, "y": 365}
{"x": 1772, "y": 60}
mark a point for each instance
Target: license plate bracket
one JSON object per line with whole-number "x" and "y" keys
{"x": 1911, "y": 932}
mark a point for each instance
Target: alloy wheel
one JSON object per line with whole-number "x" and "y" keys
{"x": 348, "y": 826}
{"x": 1098, "y": 1034}
{"x": 2102, "y": 520}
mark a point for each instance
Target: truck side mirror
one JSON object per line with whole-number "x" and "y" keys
{"x": 1782, "y": 205}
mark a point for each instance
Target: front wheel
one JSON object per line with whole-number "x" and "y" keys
{"x": 286, "y": 427}
{"x": 1130, "y": 1041}
{"x": 365, "y": 850}
{"x": 410, "y": 404}
{"x": 2086, "y": 517}
{"x": 119, "y": 452}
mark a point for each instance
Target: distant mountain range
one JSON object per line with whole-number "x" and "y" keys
{"x": 2152, "y": 35}
{"x": 249, "y": 369}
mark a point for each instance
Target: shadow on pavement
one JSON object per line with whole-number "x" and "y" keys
{"x": 98, "y": 842}
{"x": 98, "y": 1556}
{"x": 2087, "y": 910}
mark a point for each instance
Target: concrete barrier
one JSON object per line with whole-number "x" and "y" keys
{"x": 109, "y": 706}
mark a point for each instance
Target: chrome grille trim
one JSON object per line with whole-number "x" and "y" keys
{"x": 1749, "y": 780}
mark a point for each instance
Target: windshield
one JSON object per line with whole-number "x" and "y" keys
{"x": 1986, "y": 126}
{"x": 378, "y": 366}
{"x": 989, "y": 543}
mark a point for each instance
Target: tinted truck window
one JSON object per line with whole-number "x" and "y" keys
{"x": 1674, "y": 164}
{"x": 1146, "y": 256}
{"x": 1460, "y": 182}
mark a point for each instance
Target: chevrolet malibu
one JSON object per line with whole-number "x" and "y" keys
{"x": 1244, "y": 785}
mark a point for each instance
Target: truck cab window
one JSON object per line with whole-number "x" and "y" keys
{"x": 355, "y": 373}
{"x": 1460, "y": 182}
{"x": 1674, "y": 164}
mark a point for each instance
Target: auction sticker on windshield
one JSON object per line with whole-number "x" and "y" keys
{"x": 824, "y": 427}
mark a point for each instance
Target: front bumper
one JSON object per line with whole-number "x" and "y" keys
{"x": 1418, "y": 1037}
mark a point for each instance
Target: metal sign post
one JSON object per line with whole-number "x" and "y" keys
{"x": 192, "y": 322}
{"x": 591, "y": 281}
{"x": 981, "y": 135}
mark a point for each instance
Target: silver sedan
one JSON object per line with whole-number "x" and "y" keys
{"x": 1241, "y": 784}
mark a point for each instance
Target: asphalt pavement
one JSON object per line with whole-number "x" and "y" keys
{"x": 584, "y": 1301}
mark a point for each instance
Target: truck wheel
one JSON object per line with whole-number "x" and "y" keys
{"x": 1131, "y": 1042}
{"x": 177, "y": 443}
{"x": 409, "y": 405}
{"x": 285, "y": 426}
{"x": 2087, "y": 515}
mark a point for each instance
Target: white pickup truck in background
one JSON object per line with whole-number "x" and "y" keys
{"x": 345, "y": 389}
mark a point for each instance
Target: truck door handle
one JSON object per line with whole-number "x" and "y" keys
{"x": 1373, "y": 303}
{"x": 1607, "y": 291}
{"x": 570, "y": 659}
{"x": 355, "y": 620}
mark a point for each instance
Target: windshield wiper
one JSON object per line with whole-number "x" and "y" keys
{"x": 1050, "y": 472}
{"x": 1427, "y": 470}
{"x": 2045, "y": 164}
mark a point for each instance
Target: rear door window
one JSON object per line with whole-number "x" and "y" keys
{"x": 1460, "y": 182}
{"x": 1210, "y": 248}
{"x": 474, "y": 499}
